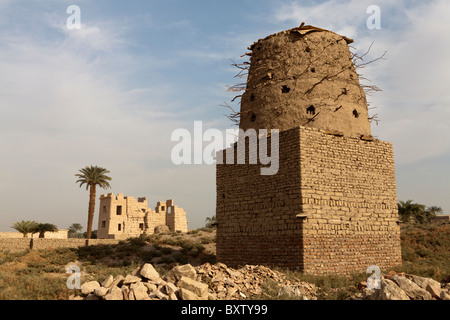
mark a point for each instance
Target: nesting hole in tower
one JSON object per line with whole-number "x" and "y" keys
{"x": 308, "y": 49}
{"x": 311, "y": 111}
{"x": 355, "y": 114}
{"x": 252, "y": 117}
{"x": 252, "y": 97}
{"x": 313, "y": 70}
{"x": 285, "y": 89}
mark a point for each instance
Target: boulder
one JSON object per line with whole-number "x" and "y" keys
{"x": 161, "y": 296}
{"x": 390, "y": 291}
{"x": 186, "y": 294}
{"x": 115, "y": 293}
{"x": 176, "y": 273}
{"x": 89, "y": 287}
{"x": 369, "y": 294}
{"x": 140, "y": 291}
{"x": 149, "y": 272}
{"x": 170, "y": 288}
{"x": 117, "y": 281}
{"x": 173, "y": 296}
{"x": 413, "y": 291}
{"x": 432, "y": 286}
{"x": 108, "y": 282}
{"x": 129, "y": 279}
{"x": 151, "y": 287}
{"x": 434, "y": 289}
{"x": 101, "y": 292}
{"x": 445, "y": 295}
{"x": 198, "y": 288}
{"x": 234, "y": 273}
{"x": 162, "y": 228}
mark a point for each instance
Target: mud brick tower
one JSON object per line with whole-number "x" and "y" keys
{"x": 332, "y": 206}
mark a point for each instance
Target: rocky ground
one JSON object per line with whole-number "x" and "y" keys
{"x": 219, "y": 282}
{"x": 401, "y": 286}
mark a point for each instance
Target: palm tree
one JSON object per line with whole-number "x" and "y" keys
{"x": 42, "y": 228}
{"x": 405, "y": 210}
{"x": 434, "y": 210}
{"x": 419, "y": 212}
{"x": 25, "y": 227}
{"x": 92, "y": 177}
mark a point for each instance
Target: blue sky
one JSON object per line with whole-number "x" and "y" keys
{"x": 111, "y": 94}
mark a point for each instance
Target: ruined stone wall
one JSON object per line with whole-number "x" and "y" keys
{"x": 176, "y": 217}
{"x": 330, "y": 209}
{"x": 123, "y": 217}
{"x": 17, "y": 245}
{"x": 350, "y": 200}
{"x": 256, "y": 214}
{"x": 60, "y": 234}
{"x": 134, "y": 225}
{"x": 154, "y": 219}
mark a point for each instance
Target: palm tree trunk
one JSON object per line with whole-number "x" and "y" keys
{"x": 92, "y": 194}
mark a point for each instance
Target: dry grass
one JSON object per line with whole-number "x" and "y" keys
{"x": 41, "y": 274}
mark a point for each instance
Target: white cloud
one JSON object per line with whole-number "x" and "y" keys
{"x": 414, "y": 105}
{"x": 62, "y": 109}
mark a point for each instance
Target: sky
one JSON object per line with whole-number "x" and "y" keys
{"x": 112, "y": 92}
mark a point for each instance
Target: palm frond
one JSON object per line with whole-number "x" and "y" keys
{"x": 93, "y": 176}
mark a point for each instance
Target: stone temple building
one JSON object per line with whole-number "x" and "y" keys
{"x": 332, "y": 206}
{"x": 123, "y": 217}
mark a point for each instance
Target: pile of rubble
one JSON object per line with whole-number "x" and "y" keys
{"x": 230, "y": 284}
{"x": 205, "y": 282}
{"x": 219, "y": 282}
{"x": 401, "y": 286}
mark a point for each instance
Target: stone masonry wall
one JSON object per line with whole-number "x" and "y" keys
{"x": 16, "y": 245}
{"x": 60, "y": 234}
{"x": 134, "y": 218}
{"x": 330, "y": 209}
{"x": 175, "y": 217}
{"x": 256, "y": 214}
{"x": 350, "y": 200}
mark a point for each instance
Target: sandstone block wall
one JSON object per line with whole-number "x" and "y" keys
{"x": 331, "y": 208}
{"x": 256, "y": 214}
{"x": 349, "y": 196}
{"x": 175, "y": 217}
{"x": 16, "y": 245}
{"x": 123, "y": 217}
{"x": 60, "y": 234}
